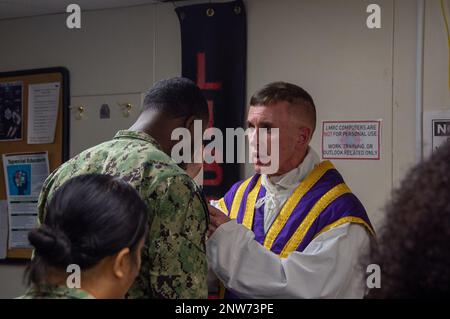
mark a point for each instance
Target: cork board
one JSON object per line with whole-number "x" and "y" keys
{"x": 58, "y": 151}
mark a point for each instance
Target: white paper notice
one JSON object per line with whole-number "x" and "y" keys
{"x": 25, "y": 175}
{"x": 351, "y": 140}
{"x": 3, "y": 228}
{"x": 43, "y": 101}
{"x": 436, "y": 130}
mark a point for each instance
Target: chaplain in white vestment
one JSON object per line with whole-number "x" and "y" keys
{"x": 297, "y": 233}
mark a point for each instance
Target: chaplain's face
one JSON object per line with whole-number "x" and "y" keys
{"x": 290, "y": 137}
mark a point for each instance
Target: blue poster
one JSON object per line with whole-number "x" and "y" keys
{"x": 19, "y": 180}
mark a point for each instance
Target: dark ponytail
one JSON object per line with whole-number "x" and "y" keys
{"x": 88, "y": 218}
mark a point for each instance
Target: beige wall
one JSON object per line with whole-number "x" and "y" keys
{"x": 327, "y": 48}
{"x": 322, "y": 45}
{"x": 11, "y": 284}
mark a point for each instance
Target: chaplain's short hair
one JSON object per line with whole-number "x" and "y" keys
{"x": 276, "y": 92}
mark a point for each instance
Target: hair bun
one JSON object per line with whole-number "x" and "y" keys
{"x": 51, "y": 244}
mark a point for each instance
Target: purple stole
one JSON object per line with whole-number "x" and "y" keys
{"x": 321, "y": 202}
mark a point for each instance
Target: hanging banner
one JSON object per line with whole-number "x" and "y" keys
{"x": 214, "y": 46}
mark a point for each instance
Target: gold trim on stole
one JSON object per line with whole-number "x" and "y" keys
{"x": 238, "y": 198}
{"x": 250, "y": 205}
{"x": 293, "y": 200}
{"x": 223, "y": 206}
{"x": 347, "y": 219}
{"x": 318, "y": 208}
{"x": 289, "y": 206}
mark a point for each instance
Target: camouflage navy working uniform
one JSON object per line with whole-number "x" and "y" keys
{"x": 173, "y": 259}
{"x": 56, "y": 292}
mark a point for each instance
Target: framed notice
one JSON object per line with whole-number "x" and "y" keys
{"x": 351, "y": 140}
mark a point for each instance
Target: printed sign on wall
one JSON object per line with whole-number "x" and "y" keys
{"x": 436, "y": 130}
{"x": 355, "y": 140}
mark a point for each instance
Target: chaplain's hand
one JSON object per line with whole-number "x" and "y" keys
{"x": 217, "y": 218}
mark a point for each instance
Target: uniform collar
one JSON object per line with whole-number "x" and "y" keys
{"x": 137, "y": 135}
{"x": 56, "y": 291}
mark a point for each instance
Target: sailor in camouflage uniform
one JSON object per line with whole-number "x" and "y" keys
{"x": 173, "y": 260}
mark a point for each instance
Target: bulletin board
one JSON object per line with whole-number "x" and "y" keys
{"x": 58, "y": 151}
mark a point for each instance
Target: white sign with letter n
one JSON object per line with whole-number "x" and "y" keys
{"x": 436, "y": 130}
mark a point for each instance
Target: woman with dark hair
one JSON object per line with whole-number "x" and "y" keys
{"x": 94, "y": 223}
{"x": 413, "y": 250}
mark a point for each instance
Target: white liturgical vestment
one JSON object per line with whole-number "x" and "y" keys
{"x": 329, "y": 267}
